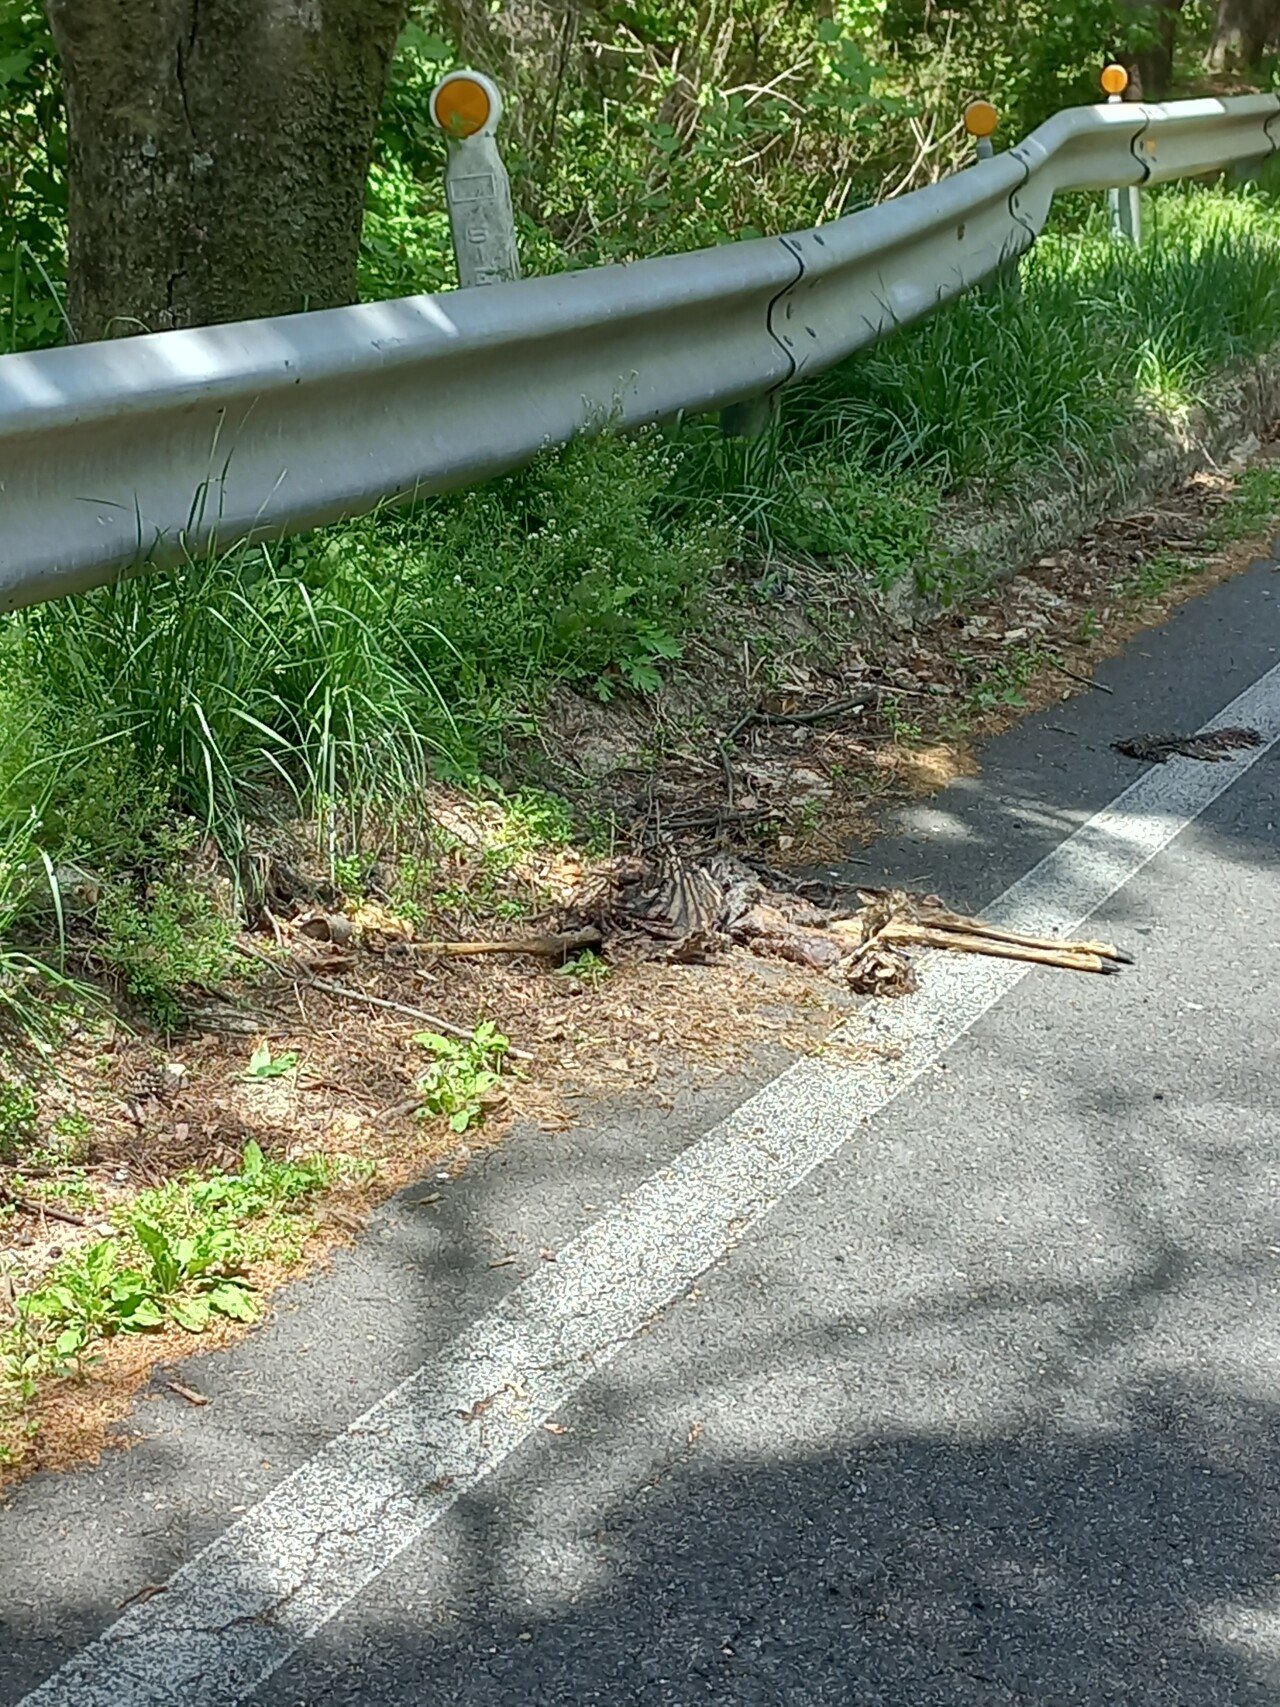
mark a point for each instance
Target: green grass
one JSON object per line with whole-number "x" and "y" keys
{"x": 330, "y": 678}
{"x": 1050, "y": 382}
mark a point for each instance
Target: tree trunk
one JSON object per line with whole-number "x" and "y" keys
{"x": 1243, "y": 31}
{"x": 1151, "y": 67}
{"x": 218, "y": 151}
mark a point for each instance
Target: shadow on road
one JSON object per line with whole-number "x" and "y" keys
{"x": 1049, "y": 1566}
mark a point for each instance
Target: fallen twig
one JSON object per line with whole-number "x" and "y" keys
{"x": 344, "y": 993}
{"x": 704, "y": 820}
{"x": 835, "y": 708}
{"x": 927, "y": 910}
{"x": 1068, "y": 957}
{"x": 549, "y": 946}
{"x": 410, "y": 1105}
{"x": 1078, "y": 676}
{"x": 1021, "y": 939}
{"x": 25, "y": 1206}
{"x": 188, "y": 1393}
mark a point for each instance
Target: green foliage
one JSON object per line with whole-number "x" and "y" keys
{"x": 180, "y": 1256}
{"x": 587, "y": 969}
{"x": 462, "y": 1074}
{"x": 264, "y": 1065}
{"x": 1254, "y": 507}
{"x": 98, "y": 1294}
{"x": 680, "y": 124}
{"x": 28, "y": 980}
{"x": 18, "y": 1112}
{"x": 33, "y": 159}
{"x": 165, "y": 944}
{"x": 572, "y": 569}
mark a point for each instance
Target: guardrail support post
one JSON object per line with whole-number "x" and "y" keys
{"x": 1126, "y": 214}
{"x": 753, "y": 418}
{"x": 467, "y": 106}
{"x": 1125, "y": 204}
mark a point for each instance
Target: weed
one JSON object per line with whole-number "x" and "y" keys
{"x": 1156, "y": 574}
{"x": 179, "y": 1256}
{"x": 264, "y": 1065}
{"x": 18, "y": 1113}
{"x": 73, "y": 1188}
{"x": 165, "y": 946}
{"x": 462, "y": 1075}
{"x": 351, "y": 874}
{"x": 904, "y": 729}
{"x": 1253, "y": 508}
{"x": 1000, "y": 683}
{"x": 587, "y": 968}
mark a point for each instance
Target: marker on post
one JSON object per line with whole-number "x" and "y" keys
{"x": 980, "y": 121}
{"x": 1126, "y": 209}
{"x": 466, "y": 105}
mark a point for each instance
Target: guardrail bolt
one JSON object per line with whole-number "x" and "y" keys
{"x": 466, "y": 106}
{"x": 1125, "y": 205}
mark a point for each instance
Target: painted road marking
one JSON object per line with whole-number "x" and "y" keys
{"x": 239, "y": 1609}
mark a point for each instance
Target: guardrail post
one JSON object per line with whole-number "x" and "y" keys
{"x": 753, "y": 418}
{"x": 980, "y": 121}
{"x": 466, "y": 106}
{"x": 1125, "y": 204}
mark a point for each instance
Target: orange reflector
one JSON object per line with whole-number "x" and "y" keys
{"x": 981, "y": 118}
{"x": 461, "y": 105}
{"x": 1114, "y": 79}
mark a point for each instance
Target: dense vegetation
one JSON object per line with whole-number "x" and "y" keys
{"x": 328, "y": 677}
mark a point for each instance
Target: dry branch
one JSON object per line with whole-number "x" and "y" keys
{"x": 554, "y": 945}
{"x": 1067, "y": 955}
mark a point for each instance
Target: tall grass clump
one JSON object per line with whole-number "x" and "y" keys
{"x": 331, "y": 676}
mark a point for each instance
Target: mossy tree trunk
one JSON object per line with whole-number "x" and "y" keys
{"x": 1151, "y": 67}
{"x": 1243, "y": 31}
{"x": 218, "y": 151}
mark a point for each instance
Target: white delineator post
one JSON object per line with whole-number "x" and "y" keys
{"x": 1126, "y": 208}
{"x": 467, "y": 105}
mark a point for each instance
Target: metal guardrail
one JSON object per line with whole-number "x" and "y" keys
{"x": 149, "y": 447}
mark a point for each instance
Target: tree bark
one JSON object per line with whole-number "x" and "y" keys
{"x": 1151, "y": 67}
{"x": 218, "y": 152}
{"x": 1243, "y": 31}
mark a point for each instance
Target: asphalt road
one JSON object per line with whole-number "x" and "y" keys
{"x": 985, "y": 1409}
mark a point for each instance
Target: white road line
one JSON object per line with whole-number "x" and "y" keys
{"x": 239, "y": 1609}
